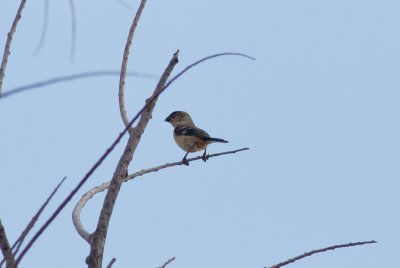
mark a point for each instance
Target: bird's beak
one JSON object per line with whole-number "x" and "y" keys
{"x": 168, "y": 119}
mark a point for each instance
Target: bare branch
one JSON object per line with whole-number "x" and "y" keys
{"x": 6, "y": 249}
{"x": 44, "y": 27}
{"x": 73, "y": 28}
{"x": 35, "y": 218}
{"x": 89, "y": 194}
{"x": 167, "y": 262}
{"x": 111, "y": 262}
{"x": 121, "y": 94}
{"x": 307, "y": 254}
{"x": 124, "y": 4}
{"x": 72, "y": 77}
{"x": 99, "y": 236}
{"x": 7, "y": 48}
{"x": 205, "y": 59}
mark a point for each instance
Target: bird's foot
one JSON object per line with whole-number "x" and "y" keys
{"x": 205, "y": 157}
{"x": 185, "y": 161}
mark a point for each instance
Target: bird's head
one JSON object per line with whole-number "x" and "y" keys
{"x": 179, "y": 118}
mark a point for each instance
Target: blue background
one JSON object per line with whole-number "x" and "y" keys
{"x": 319, "y": 109}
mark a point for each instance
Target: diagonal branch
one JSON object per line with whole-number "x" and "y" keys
{"x": 307, "y": 254}
{"x": 16, "y": 246}
{"x": 20, "y": 240}
{"x": 99, "y": 236}
{"x": 167, "y": 262}
{"x": 76, "y": 214}
{"x": 121, "y": 95}
{"x": 7, "y": 48}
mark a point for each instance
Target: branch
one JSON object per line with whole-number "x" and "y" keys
{"x": 111, "y": 263}
{"x": 95, "y": 258}
{"x": 73, "y": 28}
{"x": 5, "y": 248}
{"x": 44, "y": 27}
{"x": 121, "y": 95}
{"x": 16, "y": 246}
{"x": 72, "y": 77}
{"x": 206, "y": 59}
{"x": 8, "y": 43}
{"x": 76, "y": 213}
{"x": 167, "y": 262}
{"x": 307, "y": 254}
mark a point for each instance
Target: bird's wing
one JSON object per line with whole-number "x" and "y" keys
{"x": 191, "y": 131}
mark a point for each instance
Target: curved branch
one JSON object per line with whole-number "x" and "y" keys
{"x": 76, "y": 213}
{"x": 307, "y": 254}
{"x": 121, "y": 94}
{"x": 187, "y": 68}
{"x": 8, "y": 43}
{"x": 72, "y": 77}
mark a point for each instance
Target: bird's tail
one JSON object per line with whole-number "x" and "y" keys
{"x": 216, "y": 140}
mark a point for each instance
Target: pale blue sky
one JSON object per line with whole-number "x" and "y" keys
{"x": 318, "y": 108}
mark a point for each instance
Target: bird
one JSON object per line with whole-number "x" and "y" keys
{"x": 189, "y": 137}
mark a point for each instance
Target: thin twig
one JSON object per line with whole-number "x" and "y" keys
{"x": 76, "y": 218}
{"x": 73, "y": 28}
{"x": 111, "y": 263}
{"x": 121, "y": 94}
{"x": 44, "y": 27}
{"x": 124, "y": 4}
{"x": 167, "y": 262}
{"x": 7, "y": 48}
{"x": 17, "y": 244}
{"x": 6, "y": 249}
{"x": 35, "y": 218}
{"x": 205, "y": 59}
{"x": 307, "y": 254}
{"x": 72, "y": 77}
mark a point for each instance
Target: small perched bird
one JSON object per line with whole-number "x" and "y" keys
{"x": 189, "y": 137}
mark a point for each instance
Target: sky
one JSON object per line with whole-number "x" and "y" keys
{"x": 318, "y": 109}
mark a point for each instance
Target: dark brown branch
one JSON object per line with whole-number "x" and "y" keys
{"x": 125, "y": 58}
{"x": 6, "y": 249}
{"x": 72, "y": 77}
{"x": 307, "y": 254}
{"x": 7, "y": 48}
{"x": 167, "y": 262}
{"x": 95, "y": 258}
